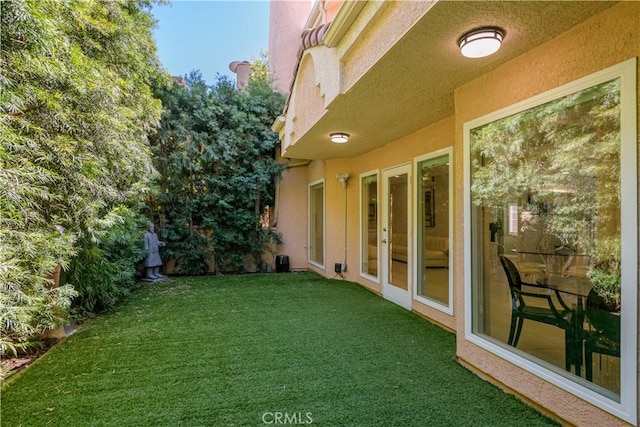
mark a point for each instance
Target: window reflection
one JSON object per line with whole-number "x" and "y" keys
{"x": 433, "y": 229}
{"x": 546, "y": 195}
{"x": 398, "y": 232}
{"x": 369, "y": 221}
{"x": 316, "y": 224}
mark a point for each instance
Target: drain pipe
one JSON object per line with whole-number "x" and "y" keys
{"x": 274, "y": 218}
{"x": 344, "y": 178}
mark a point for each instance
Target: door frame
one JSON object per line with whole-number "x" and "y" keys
{"x": 390, "y": 292}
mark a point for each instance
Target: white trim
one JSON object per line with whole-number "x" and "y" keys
{"x": 364, "y": 250}
{"x": 629, "y": 225}
{"x": 314, "y": 15}
{"x": 324, "y": 222}
{"x": 626, "y": 409}
{"x": 448, "y": 309}
{"x": 513, "y": 219}
{"x": 343, "y": 20}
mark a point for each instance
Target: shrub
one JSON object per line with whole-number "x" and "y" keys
{"x": 105, "y": 268}
{"x": 76, "y": 107}
{"x": 29, "y": 304}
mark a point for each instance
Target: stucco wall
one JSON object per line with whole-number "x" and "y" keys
{"x": 435, "y": 137}
{"x": 598, "y": 43}
{"x": 308, "y": 90}
{"x": 385, "y": 23}
{"x": 292, "y": 215}
{"x": 292, "y": 221}
{"x": 286, "y": 22}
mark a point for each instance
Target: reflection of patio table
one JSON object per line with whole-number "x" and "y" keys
{"x": 571, "y": 285}
{"x": 556, "y": 262}
{"x": 578, "y": 287}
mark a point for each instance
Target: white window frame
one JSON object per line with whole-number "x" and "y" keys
{"x": 324, "y": 224}
{"x": 364, "y": 250}
{"x": 448, "y": 309}
{"x": 513, "y": 219}
{"x": 626, "y": 409}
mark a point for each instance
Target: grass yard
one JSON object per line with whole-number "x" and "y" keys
{"x": 256, "y": 350}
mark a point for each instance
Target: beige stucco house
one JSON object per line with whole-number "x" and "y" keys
{"x": 495, "y": 196}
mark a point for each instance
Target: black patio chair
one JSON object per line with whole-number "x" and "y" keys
{"x": 560, "y": 316}
{"x": 605, "y": 336}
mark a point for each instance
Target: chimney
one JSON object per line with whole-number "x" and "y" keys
{"x": 243, "y": 70}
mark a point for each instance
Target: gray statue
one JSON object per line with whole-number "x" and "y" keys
{"x": 152, "y": 262}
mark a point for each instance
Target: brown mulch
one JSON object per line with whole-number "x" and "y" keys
{"x": 11, "y": 365}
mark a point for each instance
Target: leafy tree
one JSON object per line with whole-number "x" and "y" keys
{"x": 215, "y": 155}
{"x": 178, "y": 146}
{"x": 75, "y": 110}
{"x": 260, "y": 71}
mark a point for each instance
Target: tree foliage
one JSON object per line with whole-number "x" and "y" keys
{"x": 107, "y": 262}
{"x": 569, "y": 146}
{"x": 562, "y": 161}
{"x": 215, "y": 155}
{"x": 75, "y": 110}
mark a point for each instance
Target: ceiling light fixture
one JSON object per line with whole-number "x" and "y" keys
{"x": 339, "y": 137}
{"x": 481, "y": 42}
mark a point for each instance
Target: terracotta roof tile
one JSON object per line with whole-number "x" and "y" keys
{"x": 314, "y": 36}
{"x": 310, "y": 37}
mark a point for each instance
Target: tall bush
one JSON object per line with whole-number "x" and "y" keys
{"x": 75, "y": 110}
{"x": 215, "y": 154}
{"x": 105, "y": 268}
{"x": 29, "y": 304}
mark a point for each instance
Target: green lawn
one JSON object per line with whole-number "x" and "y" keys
{"x": 254, "y": 350}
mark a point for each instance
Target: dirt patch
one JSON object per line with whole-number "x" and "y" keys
{"x": 12, "y": 365}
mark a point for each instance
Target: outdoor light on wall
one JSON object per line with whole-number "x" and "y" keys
{"x": 481, "y": 42}
{"x": 343, "y": 178}
{"x": 339, "y": 137}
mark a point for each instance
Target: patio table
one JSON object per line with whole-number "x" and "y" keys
{"x": 578, "y": 287}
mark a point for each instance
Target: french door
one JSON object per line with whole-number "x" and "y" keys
{"x": 396, "y": 235}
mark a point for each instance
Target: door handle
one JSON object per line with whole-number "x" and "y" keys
{"x": 384, "y": 240}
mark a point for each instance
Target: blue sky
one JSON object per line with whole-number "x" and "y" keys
{"x": 207, "y": 35}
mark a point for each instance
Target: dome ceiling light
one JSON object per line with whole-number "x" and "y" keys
{"x": 481, "y": 42}
{"x": 339, "y": 137}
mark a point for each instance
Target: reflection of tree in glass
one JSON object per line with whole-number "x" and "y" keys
{"x": 562, "y": 161}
